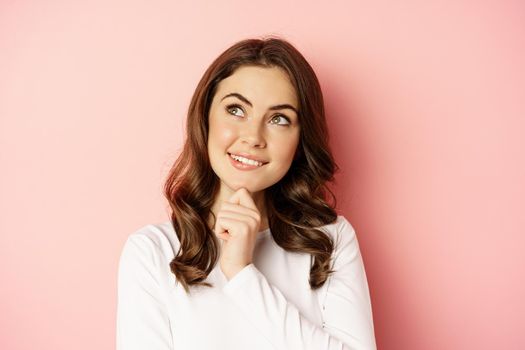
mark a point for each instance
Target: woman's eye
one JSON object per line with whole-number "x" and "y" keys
{"x": 235, "y": 110}
{"x": 280, "y": 120}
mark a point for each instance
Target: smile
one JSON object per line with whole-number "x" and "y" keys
{"x": 244, "y": 163}
{"x": 246, "y": 160}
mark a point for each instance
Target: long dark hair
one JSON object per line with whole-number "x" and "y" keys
{"x": 296, "y": 205}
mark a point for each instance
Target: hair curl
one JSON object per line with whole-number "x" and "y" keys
{"x": 296, "y": 205}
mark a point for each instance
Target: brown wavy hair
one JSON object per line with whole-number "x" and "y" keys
{"x": 296, "y": 206}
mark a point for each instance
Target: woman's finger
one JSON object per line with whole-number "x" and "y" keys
{"x": 240, "y": 209}
{"x": 253, "y": 223}
{"x": 229, "y": 214}
{"x": 243, "y": 197}
{"x": 233, "y": 227}
{"x": 223, "y": 236}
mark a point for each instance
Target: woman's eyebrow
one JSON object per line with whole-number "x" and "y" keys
{"x": 272, "y": 108}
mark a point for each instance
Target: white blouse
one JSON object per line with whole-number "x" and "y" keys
{"x": 267, "y": 305}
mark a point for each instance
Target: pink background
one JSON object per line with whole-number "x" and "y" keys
{"x": 426, "y": 104}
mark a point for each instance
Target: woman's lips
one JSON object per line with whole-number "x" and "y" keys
{"x": 241, "y": 166}
{"x": 248, "y": 156}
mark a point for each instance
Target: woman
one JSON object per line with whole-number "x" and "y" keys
{"x": 254, "y": 257}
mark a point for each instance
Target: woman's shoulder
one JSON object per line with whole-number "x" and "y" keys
{"x": 341, "y": 228}
{"x": 155, "y": 238}
{"x": 343, "y": 235}
{"x": 346, "y": 245}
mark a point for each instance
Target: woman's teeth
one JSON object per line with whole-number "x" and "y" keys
{"x": 246, "y": 160}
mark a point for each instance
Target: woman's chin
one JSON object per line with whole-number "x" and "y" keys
{"x": 247, "y": 185}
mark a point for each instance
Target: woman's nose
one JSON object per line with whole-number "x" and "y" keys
{"x": 252, "y": 134}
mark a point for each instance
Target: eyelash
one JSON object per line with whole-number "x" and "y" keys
{"x": 230, "y": 107}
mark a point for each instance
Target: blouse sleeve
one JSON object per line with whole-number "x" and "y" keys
{"x": 142, "y": 322}
{"x": 346, "y": 307}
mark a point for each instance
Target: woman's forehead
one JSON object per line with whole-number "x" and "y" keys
{"x": 258, "y": 84}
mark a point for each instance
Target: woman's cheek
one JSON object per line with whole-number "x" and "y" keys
{"x": 288, "y": 148}
{"x": 225, "y": 132}
{"x": 228, "y": 133}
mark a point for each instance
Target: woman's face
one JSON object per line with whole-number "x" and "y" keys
{"x": 253, "y": 115}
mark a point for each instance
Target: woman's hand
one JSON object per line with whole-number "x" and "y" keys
{"x": 237, "y": 225}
